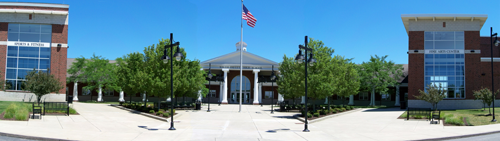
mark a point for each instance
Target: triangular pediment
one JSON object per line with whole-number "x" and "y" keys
{"x": 233, "y": 59}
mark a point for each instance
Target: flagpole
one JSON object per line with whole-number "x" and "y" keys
{"x": 241, "y": 55}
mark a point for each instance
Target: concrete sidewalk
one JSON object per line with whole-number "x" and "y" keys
{"x": 103, "y": 122}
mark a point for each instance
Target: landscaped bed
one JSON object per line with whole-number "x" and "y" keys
{"x": 12, "y": 110}
{"x": 323, "y": 111}
{"x": 467, "y": 117}
{"x": 149, "y": 109}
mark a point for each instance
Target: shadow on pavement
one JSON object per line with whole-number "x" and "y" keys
{"x": 276, "y": 130}
{"x": 384, "y": 109}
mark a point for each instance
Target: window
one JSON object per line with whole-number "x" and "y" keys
{"x": 363, "y": 96}
{"x": 446, "y": 70}
{"x": 386, "y": 97}
{"x": 85, "y": 91}
{"x": 212, "y": 93}
{"x": 22, "y": 59}
{"x": 109, "y": 92}
{"x": 269, "y": 95}
{"x": 235, "y": 84}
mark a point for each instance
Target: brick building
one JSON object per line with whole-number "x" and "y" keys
{"x": 447, "y": 50}
{"x": 32, "y": 35}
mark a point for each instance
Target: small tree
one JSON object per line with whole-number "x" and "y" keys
{"x": 433, "y": 95}
{"x": 41, "y": 83}
{"x": 485, "y": 96}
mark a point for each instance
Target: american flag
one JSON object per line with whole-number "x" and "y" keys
{"x": 246, "y": 15}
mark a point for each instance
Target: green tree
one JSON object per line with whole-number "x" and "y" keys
{"x": 290, "y": 79}
{"x": 433, "y": 95}
{"x": 378, "y": 74}
{"x": 130, "y": 77}
{"x": 75, "y": 71}
{"x": 41, "y": 83}
{"x": 100, "y": 74}
{"x": 348, "y": 82}
{"x": 485, "y": 96}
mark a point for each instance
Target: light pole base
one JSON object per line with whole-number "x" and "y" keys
{"x": 305, "y": 130}
{"x": 208, "y": 110}
{"x": 494, "y": 120}
{"x": 272, "y": 112}
{"x": 171, "y": 128}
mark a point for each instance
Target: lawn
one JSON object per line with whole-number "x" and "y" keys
{"x": 5, "y": 104}
{"x": 475, "y": 117}
{"x": 107, "y": 102}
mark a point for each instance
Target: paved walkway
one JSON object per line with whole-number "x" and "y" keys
{"x": 254, "y": 123}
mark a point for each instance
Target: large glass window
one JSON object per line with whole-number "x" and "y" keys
{"x": 22, "y": 59}
{"x": 445, "y": 70}
{"x": 235, "y": 84}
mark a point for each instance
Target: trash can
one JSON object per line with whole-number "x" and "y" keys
{"x": 198, "y": 105}
{"x": 403, "y": 104}
{"x": 69, "y": 99}
{"x": 282, "y": 106}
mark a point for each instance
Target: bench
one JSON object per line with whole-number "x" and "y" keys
{"x": 418, "y": 111}
{"x": 436, "y": 115}
{"x": 56, "y": 106}
{"x": 37, "y": 110}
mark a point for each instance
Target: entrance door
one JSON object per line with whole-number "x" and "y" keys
{"x": 235, "y": 90}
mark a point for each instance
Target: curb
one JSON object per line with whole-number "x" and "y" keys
{"x": 145, "y": 114}
{"x": 326, "y": 117}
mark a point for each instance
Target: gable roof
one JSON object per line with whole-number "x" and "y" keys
{"x": 233, "y": 59}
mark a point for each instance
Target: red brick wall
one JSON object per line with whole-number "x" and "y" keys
{"x": 486, "y": 78}
{"x": 234, "y": 73}
{"x": 415, "y": 63}
{"x": 472, "y": 74}
{"x": 34, "y": 8}
{"x": 3, "y": 49}
{"x": 58, "y": 55}
{"x": 214, "y": 87}
{"x": 486, "y": 48}
{"x": 269, "y": 88}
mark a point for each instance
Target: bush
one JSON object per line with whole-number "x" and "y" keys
{"x": 10, "y": 111}
{"x": 309, "y": 115}
{"x": 322, "y": 112}
{"x": 333, "y": 111}
{"x": 22, "y": 114}
{"x": 348, "y": 107}
{"x": 151, "y": 111}
{"x": 316, "y": 114}
{"x": 342, "y": 109}
{"x": 454, "y": 121}
{"x": 163, "y": 110}
{"x": 335, "y": 106}
{"x": 159, "y": 113}
{"x": 165, "y": 114}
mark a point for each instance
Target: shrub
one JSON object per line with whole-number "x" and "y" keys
{"x": 348, "y": 108}
{"x": 316, "y": 114}
{"x": 335, "y": 106}
{"x": 151, "y": 111}
{"x": 10, "y": 111}
{"x": 309, "y": 115}
{"x": 333, "y": 111}
{"x": 454, "y": 121}
{"x": 22, "y": 114}
{"x": 322, "y": 112}
{"x": 343, "y": 109}
{"x": 159, "y": 113}
{"x": 163, "y": 110}
{"x": 165, "y": 114}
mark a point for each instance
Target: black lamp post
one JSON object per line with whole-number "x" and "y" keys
{"x": 209, "y": 75}
{"x": 311, "y": 62}
{"x": 273, "y": 77}
{"x": 493, "y": 84}
{"x": 178, "y": 55}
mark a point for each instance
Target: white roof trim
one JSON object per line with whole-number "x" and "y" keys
{"x": 209, "y": 60}
{"x": 34, "y": 4}
{"x": 25, "y": 11}
{"x": 407, "y": 17}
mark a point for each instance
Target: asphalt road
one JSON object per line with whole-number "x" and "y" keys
{"x": 5, "y": 138}
{"x": 489, "y": 137}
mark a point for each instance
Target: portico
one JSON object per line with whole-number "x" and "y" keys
{"x": 256, "y": 85}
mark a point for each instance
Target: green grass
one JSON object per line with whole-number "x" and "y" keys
{"x": 16, "y": 110}
{"x": 474, "y": 117}
{"x": 376, "y": 106}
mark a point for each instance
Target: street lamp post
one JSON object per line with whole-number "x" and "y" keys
{"x": 178, "y": 55}
{"x": 493, "y": 84}
{"x": 273, "y": 77}
{"x": 209, "y": 75}
{"x": 311, "y": 62}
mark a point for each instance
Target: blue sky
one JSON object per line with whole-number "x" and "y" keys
{"x": 207, "y": 29}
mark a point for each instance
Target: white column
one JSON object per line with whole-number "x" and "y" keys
{"x": 351, "y": 100}
{"x": 201, "y": 95}
{"x": 260, "y": 92}
{"x": 372, "y": 100}
{"x": 256, "y": 87}
{"x": 303, "y": 100}
{"x": 224, "y": 96}
{"x": 397, "y": 96}
{"x": 326, "y": 100}
{"x": 121, "y": 97}
{"x": 220, "y": 91}
{"x": 280, "y": 98}
{"x": 99, "y": 95}
{"x": 144, "y": 97}
{"x": 75, "y": 91}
